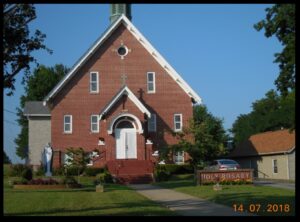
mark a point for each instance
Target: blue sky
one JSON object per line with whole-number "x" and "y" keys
{"x": 213, "y": 47}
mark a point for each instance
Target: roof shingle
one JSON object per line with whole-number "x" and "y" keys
{"x": 35, "y": 108}
{"x": 265, "y": 143}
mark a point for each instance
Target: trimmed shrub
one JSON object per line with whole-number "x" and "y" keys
{"x": 40, "y": 171}
{"x": 176, "y": 169}
{"x": 93, "y": 171}
{"x": 20, "y": 182}
{"x": 104, "y": 177}
{"x": 16, "y": 170}
{"x": 27, "y": 174}
{"x": 162, "y": 175}
{"x": 73, "y": 171}
{"x": 60, "y": 171}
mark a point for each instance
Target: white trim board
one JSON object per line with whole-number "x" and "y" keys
{"x": 131, "y": 96}
{"x": 135, "y": 32}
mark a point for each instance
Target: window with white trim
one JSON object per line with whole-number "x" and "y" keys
{"x": 177, "y": 122}
{"x": 94, "y": 82}
{"x": 67, "y": 123}
{"x": 152, "y": 123}
{"x": 94, "y": 123}
{"x": 151, "y": 82}
{"x": 179, "y": 157}
{"x": 275, "y": 167}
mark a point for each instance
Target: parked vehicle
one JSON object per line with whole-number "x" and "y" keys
{"x": 223, "y": 164}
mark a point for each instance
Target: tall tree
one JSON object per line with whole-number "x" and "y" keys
{"x": 281, "y": 22}
{"x": 208, "y": 138}
{"x": 17, "y": 43}
{"x": 37, "y": 87}
{"x": 6, "y": 159}
{"x": 269, "y": 113}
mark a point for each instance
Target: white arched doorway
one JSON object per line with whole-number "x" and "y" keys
{"x": 125, "y": 134}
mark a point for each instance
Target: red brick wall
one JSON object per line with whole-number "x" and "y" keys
{"x": 75, "y": 98}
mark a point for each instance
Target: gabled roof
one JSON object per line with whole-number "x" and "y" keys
{"x": 272, "y": 142}
{"x": 36, "y": 108}
{"x": 125, "y": 91}
{"x": 134, "y": 31}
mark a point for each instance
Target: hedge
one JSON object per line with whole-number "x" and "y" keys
{"x": 176, "y": 169}
{"x": 93, "y": 171}
{"x": 16, "y": 170}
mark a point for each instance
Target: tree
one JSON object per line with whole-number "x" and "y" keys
{"x": 208, "y": 138}
{"x": 6, "y": 159}
{"x": 269, "y": 113}
{"x": 280, "y": 21}
{"x": 17, "y": 43}
{"x": 37, "y": 87}
{"x": 77, "y": 158}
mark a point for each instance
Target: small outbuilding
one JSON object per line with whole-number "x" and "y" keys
{"x": 271, "y": 154}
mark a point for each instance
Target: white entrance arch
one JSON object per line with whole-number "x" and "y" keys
{"x": 139, "y": 128}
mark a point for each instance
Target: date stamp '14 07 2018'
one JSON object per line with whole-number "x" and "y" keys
{"x": 256, "y": 208}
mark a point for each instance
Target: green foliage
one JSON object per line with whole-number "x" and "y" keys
{"x": 18, "y": 44}
{"x": 60, "y": 171}
{"x": 77, "y": 157}
{"x": 281, "y": 22}
{"x": 27, "y": 174}
{"x": 16, "y": 170}
{"x": 209, "y": 138}
{"x": 74, "y": 170}
{"x": 70, "y": 180}
{"x": 104, "y": 177}
{"x": 161, "y": 175}
{"x": 37, "y": 86}
{"x": 77, "y": 160}
{"x": 93, "y": 171}
{"x": 269, "y": 113}
{"x": 6, "y": 159}
{"x": 40, "y": 171}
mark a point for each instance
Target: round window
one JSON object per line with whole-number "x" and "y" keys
{"x": 122, "y": 50}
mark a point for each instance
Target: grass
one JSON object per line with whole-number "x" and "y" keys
{"x": 117, "y": 200}
{"x": 237, "y": 194}
{"x": 5, "y": 170}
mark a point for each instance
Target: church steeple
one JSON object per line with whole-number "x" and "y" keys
{"x": 116, "y": 10}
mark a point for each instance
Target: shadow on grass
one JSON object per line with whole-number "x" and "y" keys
{"x": 137, "y": 208}
{"x": 277, "y": 204}
{"x": 176, "y": 184}
{"x": 88, "y": 188}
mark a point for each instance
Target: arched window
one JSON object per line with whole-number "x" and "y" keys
{"x": 124, "y": 124}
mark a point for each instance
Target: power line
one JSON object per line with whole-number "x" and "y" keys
{"x": 10, "y": 111}
{"x": 11, "y": 122}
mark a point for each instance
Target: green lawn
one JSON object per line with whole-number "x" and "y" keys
{"x": 117, "y": 200}
{"x": 238, "y": 194}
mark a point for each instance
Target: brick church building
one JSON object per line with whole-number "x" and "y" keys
{"x": 120, "y": 102}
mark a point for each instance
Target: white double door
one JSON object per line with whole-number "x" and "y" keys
{"x": 126, "y": 143}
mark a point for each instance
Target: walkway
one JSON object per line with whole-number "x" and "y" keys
{"x": 286, "y": 185}
{"x": 184, "y": 204}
